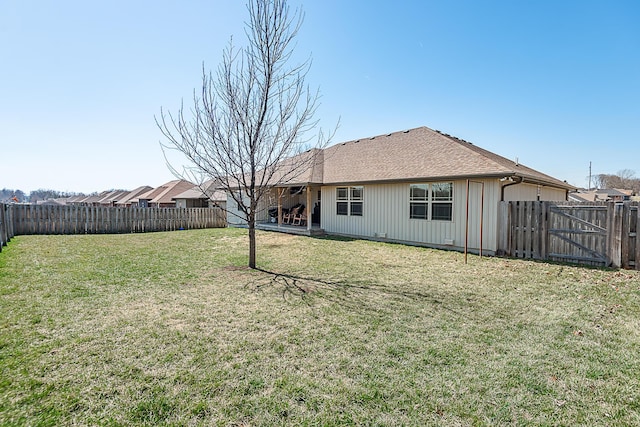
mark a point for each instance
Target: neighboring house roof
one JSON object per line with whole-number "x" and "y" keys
{"x": 165, "y": 192}
{"x": 133, "y": 194}
{"x": 112, "y": 196}
{"x": 612, "y": 192}
{"x": 196, "y": 192}
{"x": 589, "y": 196}
{"x": 94, "y": 198}
{"x": 418, "y": 154}
{"x": 75, "y": 199}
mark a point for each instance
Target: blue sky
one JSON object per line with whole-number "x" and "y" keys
{"x": 555, "y": 84}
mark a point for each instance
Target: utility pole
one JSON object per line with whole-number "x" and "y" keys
{"x": 589, "y": 176}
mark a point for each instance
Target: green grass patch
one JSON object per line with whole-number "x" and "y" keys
{"x": 171, "y": 329}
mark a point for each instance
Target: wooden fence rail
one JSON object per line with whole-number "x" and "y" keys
{"x": 41, "y": 219}
{"x": 600, "y": 234}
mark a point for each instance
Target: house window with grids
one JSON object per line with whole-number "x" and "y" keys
{"x": 431, "y": 201}
{"x": 349, "y": 201}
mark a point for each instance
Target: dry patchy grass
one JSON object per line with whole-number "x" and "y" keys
{"x": 171, "y": 329}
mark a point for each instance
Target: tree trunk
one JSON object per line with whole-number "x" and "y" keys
{"x": 252, "y": 243}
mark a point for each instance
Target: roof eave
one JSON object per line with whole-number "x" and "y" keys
{"x": 527, "y": 179}
{"x": 497, "y": 175}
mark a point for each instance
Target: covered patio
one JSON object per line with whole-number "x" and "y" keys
{"x": 293, "y": 210}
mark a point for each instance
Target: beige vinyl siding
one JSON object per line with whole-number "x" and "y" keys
{"x": 386, "y": 216}
{"x": 235, "y": 217}
{"x": 553, "y": 194}
{"x": 529, "y": 192}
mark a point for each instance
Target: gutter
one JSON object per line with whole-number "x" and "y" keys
{"x": 518, "y": 180}
{"x": 523, "y": 180}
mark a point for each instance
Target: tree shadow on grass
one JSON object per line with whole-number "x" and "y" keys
{"x": 350, "y": 295}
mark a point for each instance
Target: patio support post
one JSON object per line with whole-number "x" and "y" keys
{"x": 308, "y": 209}
{"x": 279, "y": 193}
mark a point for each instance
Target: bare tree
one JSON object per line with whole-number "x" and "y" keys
{"x": 624, "y": 179}
{"x": 251, "y": 117}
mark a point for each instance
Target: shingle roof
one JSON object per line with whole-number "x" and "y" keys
{"x": 133, "y": 194}
{"x": 304, "y": 168}
{"x": 196, "y": 192}
{"x": 94, "y": 198}
{"x": 112, "y": 196}
{"x": 614, "y": 192}
{"x": 165, "y": 192}
{"x": 419, "y": 154}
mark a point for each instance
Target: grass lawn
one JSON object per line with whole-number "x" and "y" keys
{"x": 171, "y": 329}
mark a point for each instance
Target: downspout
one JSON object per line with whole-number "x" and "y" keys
{"x": 520, "y": 180}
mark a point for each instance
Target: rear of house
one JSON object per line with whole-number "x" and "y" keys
{"x": 419, "y": 187}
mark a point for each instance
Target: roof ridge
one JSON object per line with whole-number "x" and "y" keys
{"x": 368, "y": 138}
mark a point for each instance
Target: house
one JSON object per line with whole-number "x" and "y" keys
{"x": 112, "y": 198}
{"x": 127, "y": 200}
{"x": 602, "y": 195}
{"x": 161, "y": 197}
{"x": 202, "y": 196}
{"x": 418, "y": 186}
{"x": 613, "y": 195}
{"x": 91, "y": 200}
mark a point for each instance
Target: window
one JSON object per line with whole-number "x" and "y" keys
{"x": 349, "y": 201}
{"x": 418, "y": 201}
{"x": 438, "y": 194}
{"x": 342, "y": 207}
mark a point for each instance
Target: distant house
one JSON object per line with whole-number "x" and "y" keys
{"x": 131, "y": 198}
{"x": 614, "y": 195}
{"x": 112, "y": 197}
{"x": 91, "y": 200}
{"x": 162, "y": 197}
{"x": 602, "y": 195}
{"x": 75, "y": 200}
{"x": 413, "y": 186}
{"x": 206, "y": 195}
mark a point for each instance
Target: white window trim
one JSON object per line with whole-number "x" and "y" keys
{"x": 430, "y": 200}
{"x": 349, "y": 200}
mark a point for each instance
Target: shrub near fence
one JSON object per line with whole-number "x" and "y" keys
{"x": 42, "y": 219}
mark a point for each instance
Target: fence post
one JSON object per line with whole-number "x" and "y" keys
{"x": 625, "y": 236}
{"x": 544, "y": 230}
{"x": 3, "y": 227}
{"x": 614, "y": 234}
{"x": 637, "y": 237}
{"x": 503, "y": 224}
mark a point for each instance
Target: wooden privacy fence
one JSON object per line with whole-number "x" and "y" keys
{"x": 6, "y": 225}
{"x": 42, "y": 219}
{"x": 600, "y": 234}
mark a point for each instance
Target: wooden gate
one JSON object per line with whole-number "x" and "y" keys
{"x": 577, "y": 234}
{"x": 599, "y": 234}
